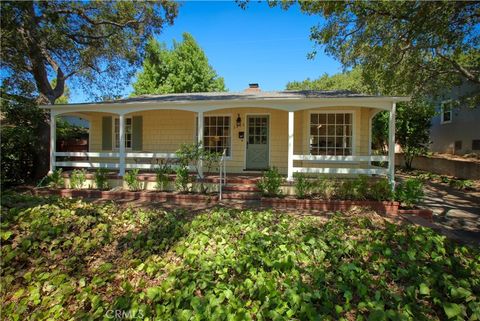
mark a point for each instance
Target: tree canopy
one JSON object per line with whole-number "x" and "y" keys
{"x": 184, "y": 68}
{"x": 408, "y": 47}
{"x": 97, "y": 45}
{"x": 350, "y": 80}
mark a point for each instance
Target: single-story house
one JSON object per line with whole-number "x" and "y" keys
{"x": 325, "y": 132}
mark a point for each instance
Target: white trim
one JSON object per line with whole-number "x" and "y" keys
{"x": 53, "y": 140}
{"x": 291, "y": 132}
{"x": 346, "y": 111}
{"x": 337, "y": 170}
{"x": 442, "y": 114}
{"x": 391, "y": 145}
{"x": 88, "y": 164}
{"x": 151, "y": 155}
{"x": 122, "y": 145}
{"x": 339, "y": 159}
{"x": 370, "y": 129}
{"x": 246, "y": 139}
{"x": 200, "y": 129}
{"x": 114, "y": 147}
{"x": 87, "y": 154}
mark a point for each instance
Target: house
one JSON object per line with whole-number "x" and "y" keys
{"x": 456, "y": 130}
{"x": 326, "y": 132}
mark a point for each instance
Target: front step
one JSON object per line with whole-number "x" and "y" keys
{"x": 240, "y": 196}
{"x": 241, "y": 188}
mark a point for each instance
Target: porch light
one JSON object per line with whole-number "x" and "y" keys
{"x": 239, "y": 121}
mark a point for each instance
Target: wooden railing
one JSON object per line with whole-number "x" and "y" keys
{"x": 361, "y": 164}
{"x": 223, "y": 174}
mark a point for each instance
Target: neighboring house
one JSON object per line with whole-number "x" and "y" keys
{"x": 296, "y": 131}
{"x": 457, "y": 130}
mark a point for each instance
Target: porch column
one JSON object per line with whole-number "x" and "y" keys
{"x": 391, "y": 145}
{"x": 200, "y": 140}
{"x": 290, "y": 145}
{"x": 53, "y": 140}
{"x": 121, "y": 148}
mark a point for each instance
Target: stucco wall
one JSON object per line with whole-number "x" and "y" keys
{"x": 164, "y": 131}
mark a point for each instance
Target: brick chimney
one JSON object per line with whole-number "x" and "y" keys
{"x": 253, "y": 88}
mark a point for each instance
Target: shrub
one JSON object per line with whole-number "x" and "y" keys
{"x": 303, "y": 186}
{"x": 325, "y": 188}
{"x": 182, "y": 179}
{"x": 270, "y": 183}
{"x": 461, "y": 184}
{"x": 161, "y": 177}
{"x": 409, "y": 192}
{"x": 131, "y": 178}
{"x": 101, "y": 180}
{"x": 78, "y": 178}
{"x": 381, "y": 190}
{"x": 55, "y": 180}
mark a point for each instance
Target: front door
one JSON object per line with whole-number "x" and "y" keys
{"x": 257, "y": 142}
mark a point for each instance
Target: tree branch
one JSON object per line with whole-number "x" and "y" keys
{"x": 467, "y": 74}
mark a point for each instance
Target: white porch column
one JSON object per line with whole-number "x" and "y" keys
{"x": 391, "y": 145}
{"x": 53, "y": 140}
{"x": 121, "y": 148}
{"x": 290, "y": 145}
{"x": 200, "y": 140}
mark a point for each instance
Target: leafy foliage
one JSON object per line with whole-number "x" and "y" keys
{"x": 131, "y": 178}
{"x": 55, "y": 179}
{"x": 68, "y": 259}
{"x": 461, "y": 184}
{"x": 101, "y": 180}
{"x": 67, "y": 131}
{"x": 78, "y": 177}
{"x": 183, "y": 69}
{"x": 182, "y": 179}
{"x": 270, "y": 183}
{"x": 303, "y": 186}
{"x": 409, "y": 192}
{"x": 161, "y": 177}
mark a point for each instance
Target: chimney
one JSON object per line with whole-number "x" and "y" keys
{"x": 253, "y": 88}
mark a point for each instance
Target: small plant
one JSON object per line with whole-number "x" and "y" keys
{"x": 55, "y": 180}
{"x": 131, "y": 178}
{"x": 270, "y": 183}
{"x": 324, "y": 188}
{"x": 161, "y": 177}
{"x": 409, "y": 192}
{"x": 303, "y": 186}
{"x": 101, "y": 180}
{"x": 78, "y": 178}
{"x": 461, "y": 184}
{"x": 381, "y": 190}
{"x": 444, "y": 179}
{"x": 182, "y": 179}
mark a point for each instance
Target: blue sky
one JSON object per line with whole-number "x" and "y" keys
{"x": 265, "y": 45}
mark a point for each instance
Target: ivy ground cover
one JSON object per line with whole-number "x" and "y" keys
{"x": 72, "y": 260}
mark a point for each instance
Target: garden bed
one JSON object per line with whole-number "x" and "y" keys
{"x": 151, "y": 196}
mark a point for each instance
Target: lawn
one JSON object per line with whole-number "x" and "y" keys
{"x": 69, "y": 259}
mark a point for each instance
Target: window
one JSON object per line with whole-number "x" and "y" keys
{"x": 128, "y": 132}
{"x": 331, "y": 134}
{"x": 216, "y": 133}
{"x": 446, "y": 115}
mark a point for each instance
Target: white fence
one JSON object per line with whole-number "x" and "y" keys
{"x": 357, "y": 161}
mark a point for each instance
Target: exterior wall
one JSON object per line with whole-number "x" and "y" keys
{"x": 165, "y": 130}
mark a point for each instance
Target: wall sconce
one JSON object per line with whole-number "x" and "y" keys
{"x": 239, "y": 121}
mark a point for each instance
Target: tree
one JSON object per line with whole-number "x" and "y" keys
{"x": 95, "y": 45}
{"x": 182, "y": 69}
{"x": 408, "y": 47}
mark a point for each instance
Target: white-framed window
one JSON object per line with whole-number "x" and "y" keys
{"x": 217, "y": 133}
{"x": 446, "y": 113}
{"x": 128, "y": 132}
{"x": 331, "y": 133}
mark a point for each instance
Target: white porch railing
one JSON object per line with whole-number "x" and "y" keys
{"x": 223, "y": 174}
{"x": 358, "y": 161}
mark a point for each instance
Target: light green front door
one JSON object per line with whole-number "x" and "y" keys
{"x": 257, "y": 142}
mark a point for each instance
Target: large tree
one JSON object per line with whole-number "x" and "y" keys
{"x": 94, "y": 45}
{"x": 408, "y": 47}
{"x": 182, "y": 69}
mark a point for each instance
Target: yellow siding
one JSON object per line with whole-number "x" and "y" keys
{"x": 165, "y": 130}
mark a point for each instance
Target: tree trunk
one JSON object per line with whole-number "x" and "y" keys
{"x": 42, "y": 152}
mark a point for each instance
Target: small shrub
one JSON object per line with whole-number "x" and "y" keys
{"x": 101, "y": 180}
{"x": 270, "y": 183}
{"x": 325, "y": 188}
{"x": 131, "y": 178}
{"x": 409, "y": 192}
{"x": 78, "y": 178}
{"x": 461, "y": 184}
{"x": 381, "y": 190}
{"x": 444, "y": 179}
{"x": 303, "y": 186}
{"x": 182, "y": 179}
{"x": 55, "y": 180}
{"x": 161, "y": 177}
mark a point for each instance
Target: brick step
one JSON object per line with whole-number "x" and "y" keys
{"x": 241, "y": 196}
{"x": 241, "y": 188}
{"x": 235, "y": 180}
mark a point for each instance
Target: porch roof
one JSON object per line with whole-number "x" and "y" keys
{"x": 289, "y": 100}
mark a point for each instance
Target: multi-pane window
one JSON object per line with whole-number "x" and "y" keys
{"x": 331, "y": 134}
{"x": 216, "y": 133}
{"x": 446, "y": 113}
{"x": 128, "y": 132}
{"x": 257, "y": 130}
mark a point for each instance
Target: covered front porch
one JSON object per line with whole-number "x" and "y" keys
{"x": 295, "y": 133}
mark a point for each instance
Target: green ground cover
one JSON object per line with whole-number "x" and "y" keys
{"x": 69, "y": 259}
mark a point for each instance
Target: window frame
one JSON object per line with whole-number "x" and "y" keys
{"x": 230, "y": 138}
{"x": 308, "y": 129}
{"x": 114, "y": 135}
{"x": 442, "y": 113}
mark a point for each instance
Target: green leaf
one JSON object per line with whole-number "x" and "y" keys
{"x": 452, "y": 309}
{"x": 153, "y": 293}
{"x": 424, "y": 289}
